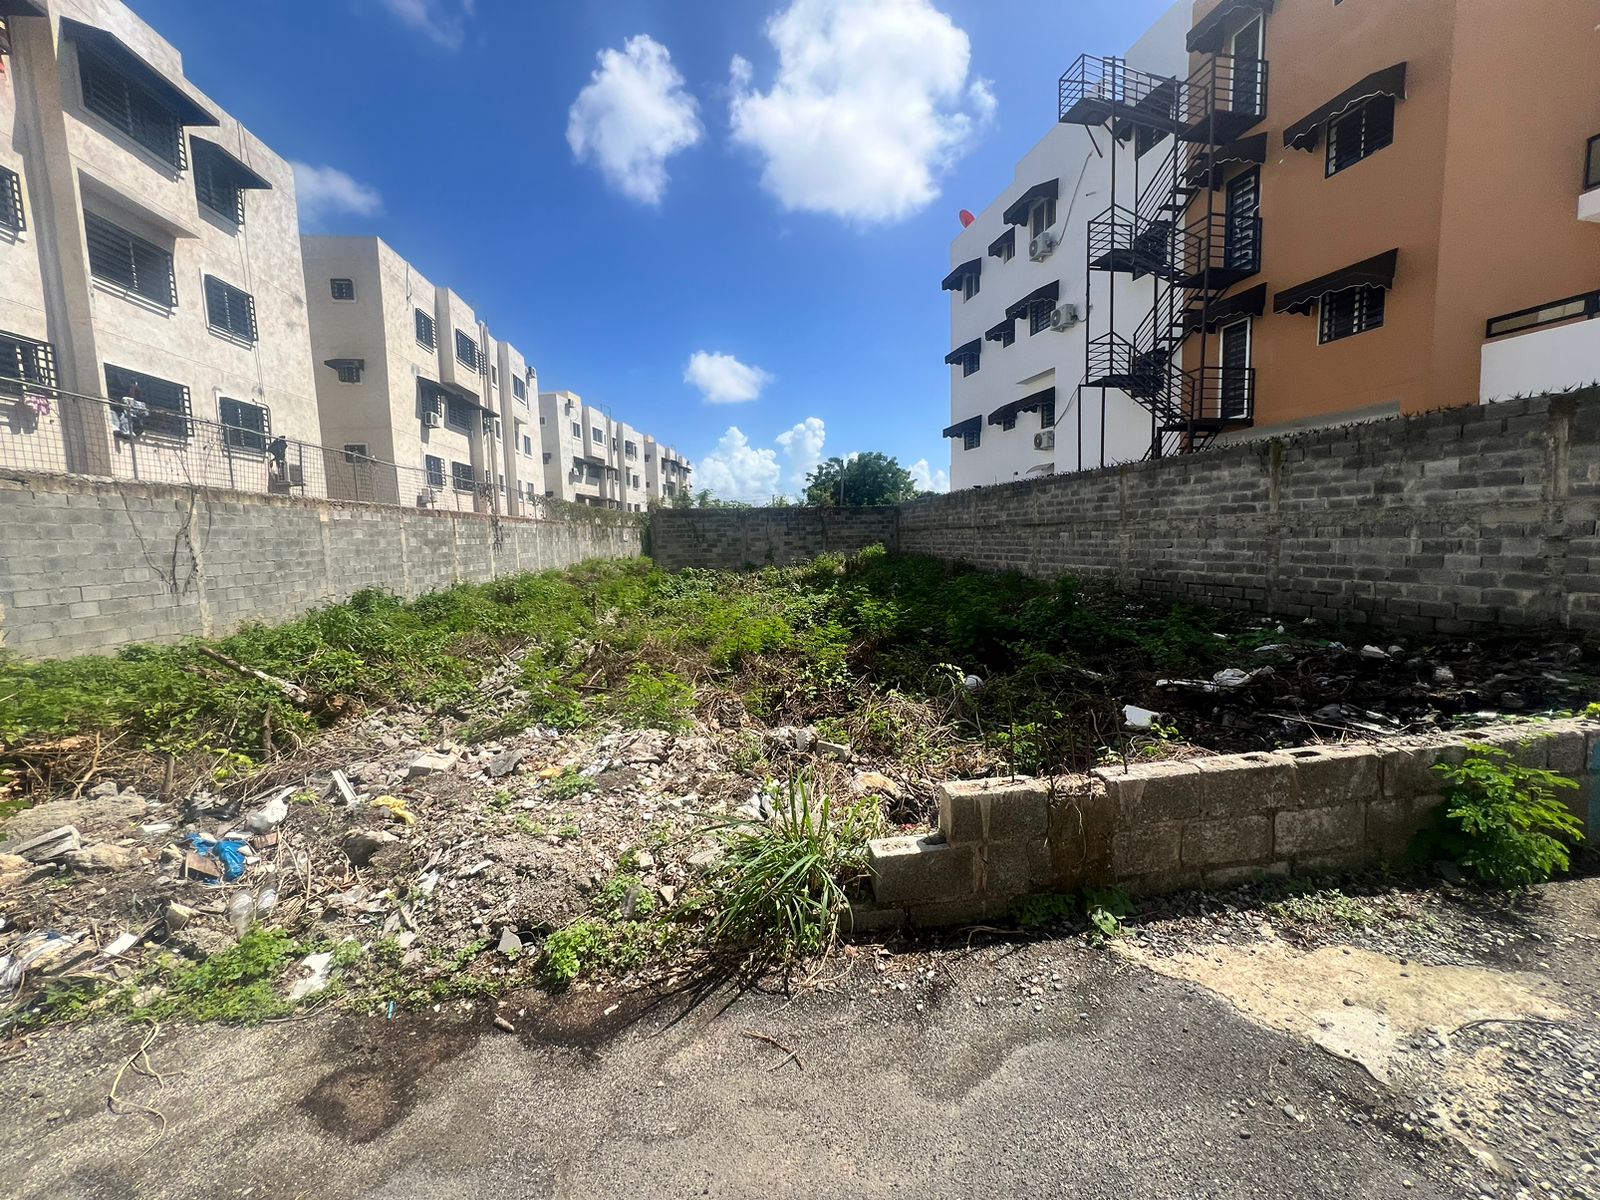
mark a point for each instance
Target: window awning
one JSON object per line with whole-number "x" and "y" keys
{"x": 1307, "y": 131}
{"x": 1017, "y": 214}
{"x": 1031, "y": 403}
{"x": 187, "y": 110}
{"x": 1050, "y": 292}
{"x": 1003, "y": 245}
{"x": 967, "y": 350}
{"x": 340, "y": 364}
{"x": 1210, "y": 33}
{"x": 1252, "y": 302}
{"x": 1252, "y": 149}
{"x": 954, "y": 281}
{"x": 236, "y": 173}
{"x": 962, "y": 428}
{"x": 1377, "y": 271}
{"x": 22, "y": 8}
{"x": 1002, "y": 331}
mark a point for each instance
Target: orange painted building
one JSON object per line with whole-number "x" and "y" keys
{"x": 1387, "y": 206}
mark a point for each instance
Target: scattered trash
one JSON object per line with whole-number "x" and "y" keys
{"x": 510, "y": 944}
{"x": 316, "y": 969}
{"x": 216, "y": 860}
{"x": 1374, "y": 652}
{"x": 396, "y": 808}
{"x": 342, "y": 788}
{"x": 271, "y": 814}
{"x": 973, "y": 684}
{"x": 1135, "y": 717}
{"x": 241, "y": 912}
{"x": 35, "y": 951}
{"x": 119, "y": 945}
{"x": 504, "y": 1025}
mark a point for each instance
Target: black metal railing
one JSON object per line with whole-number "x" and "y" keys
{"x": 50, "y": 431}
{"x": 1227, "y": 92}
{"x": 1557, "y": 312}
{"x": 1096, "y": 89}
{"x": 1591, "y": 164}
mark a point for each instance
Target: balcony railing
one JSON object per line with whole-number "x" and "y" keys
{"x": 1591, "y": 165}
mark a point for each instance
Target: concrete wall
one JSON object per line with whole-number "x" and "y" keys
{"x": 1545, "y": 360}
{"x": 739, "y": 538}
{"x": 1211, "y": 822}
{"x": 92, "y": 565}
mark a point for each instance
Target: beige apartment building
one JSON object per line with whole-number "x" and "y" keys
{"x": 408, "y": 375}
{"x": 593, "y": 459}
{"x": 149, "y": 262}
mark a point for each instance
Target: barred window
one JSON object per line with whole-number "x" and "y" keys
{"x": 11, "y": 202}
{"x": 128, "y": 261}
{"x": 216, "y": 184}
{"x": 971, "y": 438}
{"x": 458, "y": 412}
{"x": 1360, "y": 133}
{"x": 348, "y": 370}
{"x": 434, "y": 466}
{"x": 1047, "y": 415}
{"x": 425, "y": 331}
{"x": 166, "y": 404}
{"x": 130, "y": 107}
{"x": 461, "y": 476}
{"x": 342, "y": 289}
{"x": 466, "y": 350}
{"x": 1352, "y": 311}
{"x": 245, "y": 426}
{"x": 27, "y": 359}
{"x": 229, "y": 310}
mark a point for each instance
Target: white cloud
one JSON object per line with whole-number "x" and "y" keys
{"x": 723, "y": 379}
{"x": 325, "y": 192}
{"x": 802, "y": 445}
{"x": 871, "y": 101}
{"x": 929, "y": 479}
{"x": 736, "y": 470}
{"x": 632, "y": 116}
{"x": 441, "y": 21}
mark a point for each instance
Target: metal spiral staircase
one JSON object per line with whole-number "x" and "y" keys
{"x": 1175, "y": 235}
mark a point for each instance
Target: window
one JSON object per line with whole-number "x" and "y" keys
{"x": 165, "y": 404}
{"x": 425, "y": 331}
{"x": 547, "y": 456}
{"x": 1360, "y": 133}
{"x": 1039, "y": 316}
{"x": 1242, "y": 240}
{"x": 1591, "y": 170}
{"x": 969, "y": 287}
{"x": 461, "y": 476}
{"x": 633, "y": 480}
{"x": 527, "y": 445}
{"x": 1586, "y": 306}
{"x": 121, "y": 258}
{"x": 342, "y": 289}
{"x": 466, "y": 350}
{"x": 1041, "y": 217}
{"x": 245, "y": 426}
{"x": 216, "y": 186}
{"x": 11, "y": 202}
{"x": 434, "y": 466}
{"x": 596, "y": 435}
{"x": 971, "y": 438}
{"x": 356, "y": 454}
{"x": 494, "y": 376}
{"x": 518, "y": 388}
{"x": 230, "y": 311}
{"x": 577, "y": 430}
{"x": 23, "y": 358}
{"x": 1047, "y": 415}
{"x": 630, "y": 449}
{"x": 128, "y": 106}
{"x": 458, "y": 412}
{"x": 1008, "y": 422}
{"x": 969, "y": 365}
{"x": 1352, "y": 311}
{"x": 347, "y": 370}
{"x": 1236, "y": 386}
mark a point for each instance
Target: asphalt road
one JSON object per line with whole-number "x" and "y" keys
{"x": 1121, "y": 1084}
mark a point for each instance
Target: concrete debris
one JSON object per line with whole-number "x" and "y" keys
{"x": 869, "y": 783}
{"x": 104, "y": 790}
{"x": 178, "y": 915}
{"x": 359, "y": 845}
{"x": 45, "y": 847}
{"x": 119, "y": 945}
{"x": 104, "y": 857}
{"x": 505, "y": 763}
{"x": 835, "y": 750}
{"x": 430, "y": 763}
{"x": 342, "y": 791}
{"x": 1375, "y": 653}
{"x": 1443, "y": 677}
{"x": 510, "y": 944}
{"x": 791, "y": 737}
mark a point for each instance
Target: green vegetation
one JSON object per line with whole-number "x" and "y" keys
{"x": 867, "y": 479}
{"x": 1502, "y": 820}
{"x": 619, "y": 935}
{"x": 1106, "y": 908}
{"x": 1311, "y": 905}
{"x": 1045, "y": 910}
{"x": 236, "y": 986}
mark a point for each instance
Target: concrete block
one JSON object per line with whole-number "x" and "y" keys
{"x": 939, "y": 913}
{"x": 1147, "y": 792}
{"x": 1241, "y": 784}
{"x": 1161, "y": 882}
{"x": 1526, "y": 744}
{"x": 1013, "y": 868}
{"x": 1253, "y": 873}
{"x": 909, "y": 870}
{"x": 1225, "y": 841}
{"x": 1298, "y": 832}
{"x": 1083, "y": 822}
{"x": 1146, "y": 849}
{"x": 990, "y": 810}
{"x": 1326, "y": 776}
{"x": 1566, "y": 747}
{"x": 1392, "y": 824}
{"x": 1409, "y": 769}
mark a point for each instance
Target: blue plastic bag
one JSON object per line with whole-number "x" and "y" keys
{"x": 229, "y": 852}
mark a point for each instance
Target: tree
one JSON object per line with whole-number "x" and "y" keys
{"x": 866, "y": 479}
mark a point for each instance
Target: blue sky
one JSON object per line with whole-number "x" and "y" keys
{"x": 769, "y": 184}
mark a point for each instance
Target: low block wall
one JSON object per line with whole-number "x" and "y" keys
{"x": 737, "y": 539}
{"x": 1208, "y": 822}
{"x": 92, "y": 565}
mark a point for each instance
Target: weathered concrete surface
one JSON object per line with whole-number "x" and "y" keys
{"x": 1124, "y": 1085}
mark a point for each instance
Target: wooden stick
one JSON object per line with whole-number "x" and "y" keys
{"x": 761, "y": 1037}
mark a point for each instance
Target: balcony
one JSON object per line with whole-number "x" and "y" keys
{"x": 1589, "y": 201}
{"x": 1220, "y": 102}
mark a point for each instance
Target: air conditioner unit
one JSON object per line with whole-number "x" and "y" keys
{"x": 1064, "y": 317}
{"x": 426, "y": 498}
{"x": 1043, "y": 246}
{"x": 432, "y": 418}
{"x": 1045, "y": 440}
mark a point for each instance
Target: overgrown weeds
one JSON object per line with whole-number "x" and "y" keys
{"x": 1502, "y": 820}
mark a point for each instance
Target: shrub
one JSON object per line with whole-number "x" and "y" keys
{"x": 654, "y": 699}
{"x": 1502, "y": 821}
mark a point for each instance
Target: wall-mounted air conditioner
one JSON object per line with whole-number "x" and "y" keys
{"x": 426, "y": 498}
{"x": 1045, "y": 439}
{"x": 432, "y": 418}
{"x": 1064, "y": 317}
{"x": 1043, "y": 246}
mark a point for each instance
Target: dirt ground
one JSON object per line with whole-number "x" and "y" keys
{"x": 1188, "y": 1058}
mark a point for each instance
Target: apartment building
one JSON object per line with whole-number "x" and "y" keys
{"x": 1021, "y": 292}
{"x": 1385, "y": 208}
{"x": 517, "y": 386}
{"x": 149, "y": 261}
{"x": 593, "y": 459}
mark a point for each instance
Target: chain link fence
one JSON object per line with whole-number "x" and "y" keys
{"x": 157, "y": 439}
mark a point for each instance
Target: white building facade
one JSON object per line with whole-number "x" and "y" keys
{"x": 1021, "y": 288}
{"x": 593, "y": 459}
{"x": 151, "y": 294}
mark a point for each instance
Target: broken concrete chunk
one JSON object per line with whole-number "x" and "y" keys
{"x": 103, "y": 790}
{"x": 872, "y": 783}
{"x": 430, "y": 763}
{"x": 178, "y": 915}
{"x": 504, "y": 764}
{"x": 360, "y": 845}
{"x": 45, "y": 847}
{"x": 104, "y": 857}
{"x": 836, "y": 750}
{"x": 510, "y": 944}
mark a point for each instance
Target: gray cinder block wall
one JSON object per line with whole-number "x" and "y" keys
{"x": 1457, "y": 521}
{"x": 1209, "y": 822}
{"x": 92, "y": 565}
